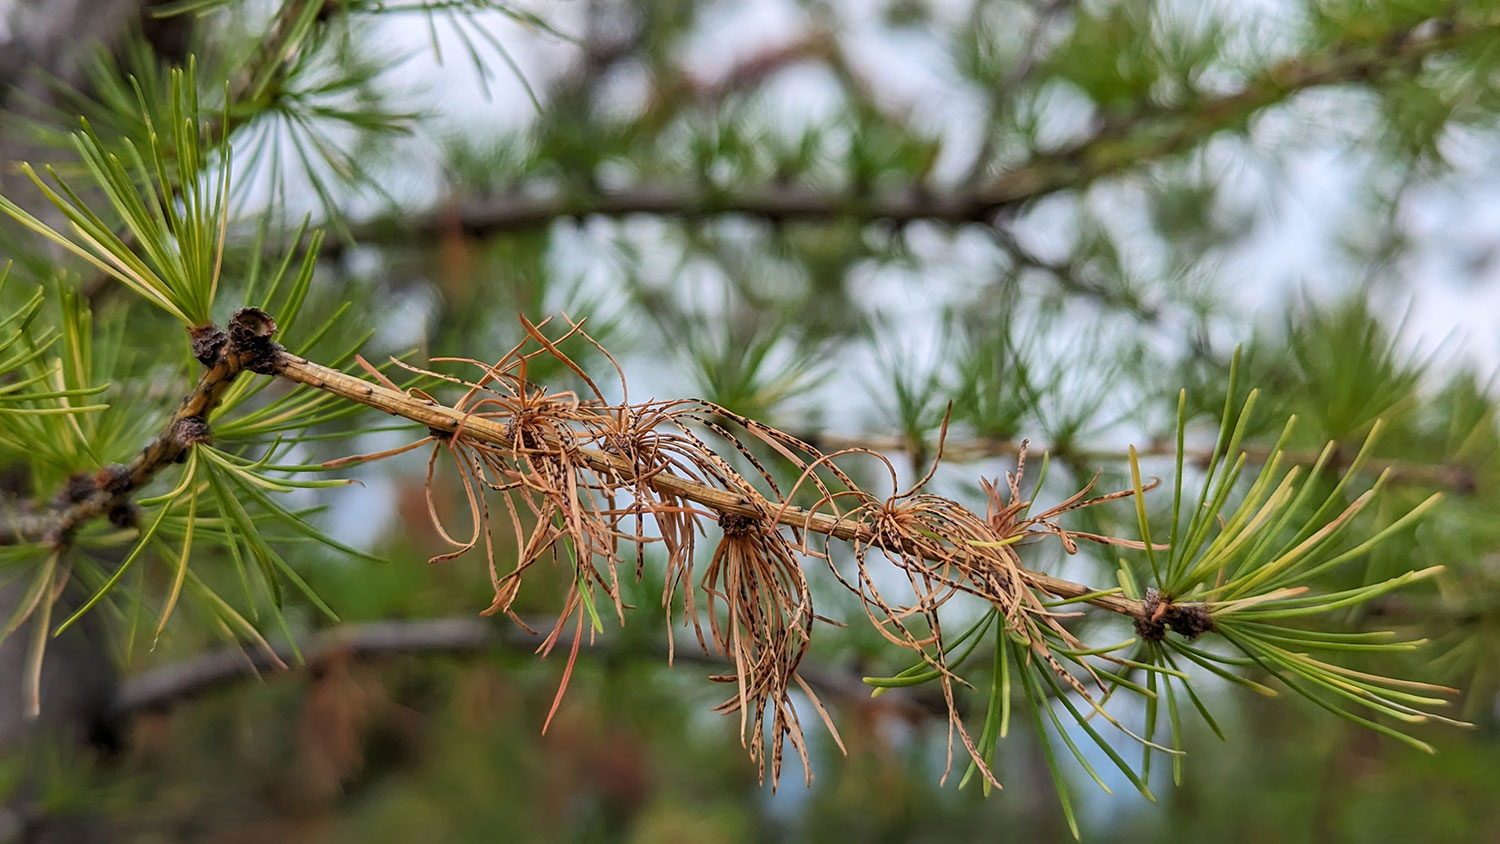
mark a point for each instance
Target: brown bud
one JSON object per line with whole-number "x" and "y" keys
{"x": 208, "y": 343}
{"x": 250, "y": 332}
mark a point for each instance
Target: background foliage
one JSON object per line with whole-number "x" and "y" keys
{"x": 836, "y": 218}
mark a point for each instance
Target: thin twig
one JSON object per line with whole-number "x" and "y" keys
{"x": 1458, "y": 477}
{"x": 1069, "y": 275}
{"x": 1011, "y": 82}
{"x": 448, "y": 420}
{"x": 109, "y": 491}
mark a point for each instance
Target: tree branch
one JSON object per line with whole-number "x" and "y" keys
{"x": 108, "y": 492}
{"x": 1152, "y": 133}
{"x": 1456, "y": 476}
{"x": 197, "y": 675}
{"x": 173, "y": 683}
{"x": 1011, "y": 82}
{"x": 447, "y": 420}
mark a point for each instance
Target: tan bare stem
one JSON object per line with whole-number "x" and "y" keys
{"x": 440, "y": 417}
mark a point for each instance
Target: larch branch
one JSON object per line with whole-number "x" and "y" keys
{"x": 108, "y": 492}
{"x": 445, "y": 419}
{"x": 1151, "y": 133}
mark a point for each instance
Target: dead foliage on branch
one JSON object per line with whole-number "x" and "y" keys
{"x": 754, "y": 591}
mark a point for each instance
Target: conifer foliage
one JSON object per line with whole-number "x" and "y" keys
{"x": 187, "y": 386}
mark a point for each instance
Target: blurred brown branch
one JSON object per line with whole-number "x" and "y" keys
{"x": 1456, "y": 476}
{"x": 176, "y": 682}
{"x": 1150, "y": 133}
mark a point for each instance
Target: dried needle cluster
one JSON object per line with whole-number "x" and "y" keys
{"x": 578, "y": 477}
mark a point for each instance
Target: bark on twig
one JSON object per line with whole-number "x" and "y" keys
{"x": 441, "y": 418}
{"x": 108, "y": 492}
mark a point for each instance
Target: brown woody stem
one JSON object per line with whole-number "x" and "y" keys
{"x": 108, "y": 492}
{"x": 173, "y": 683}
{"x": 441, "y": 418}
